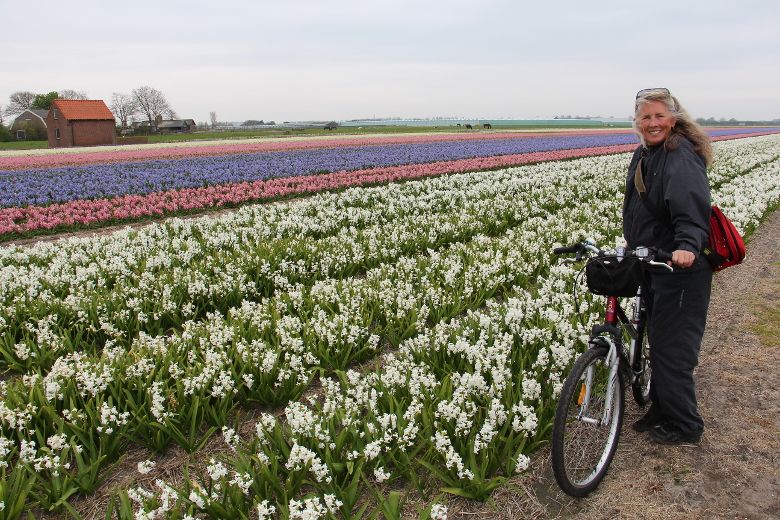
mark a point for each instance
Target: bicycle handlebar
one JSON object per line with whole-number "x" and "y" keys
{"x": 564, "y": 250}
{"x": 662, "y": 256}
{"x": 651, "y": 255}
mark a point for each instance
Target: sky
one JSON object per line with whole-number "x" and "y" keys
{"x": 297, "y": 60}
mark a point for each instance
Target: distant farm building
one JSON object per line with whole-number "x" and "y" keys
{"x": 80, "y": 122}
{"x": 30, "y": 124}
{"x": 175, "y": 126}
{"x": 165, "y": 126}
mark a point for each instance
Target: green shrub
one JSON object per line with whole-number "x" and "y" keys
{"x": 5, "y": 134}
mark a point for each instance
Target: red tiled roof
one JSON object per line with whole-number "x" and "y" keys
{"x": 82, "y": 109}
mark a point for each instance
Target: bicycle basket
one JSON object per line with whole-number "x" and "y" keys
{"x": 609, "y": 277}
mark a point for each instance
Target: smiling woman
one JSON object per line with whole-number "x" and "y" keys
{"x": 667, "y": 205}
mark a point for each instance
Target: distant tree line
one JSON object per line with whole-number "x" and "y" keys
{"x": 215, "y": 123}
{"x": 576, "y": 117}
{"x": 711, "y": 121}
{"x": 255, "y": 122}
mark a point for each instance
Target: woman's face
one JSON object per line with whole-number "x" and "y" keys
{"x": 655, "y": 122}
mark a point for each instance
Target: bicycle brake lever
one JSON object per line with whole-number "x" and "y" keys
{"x": 661, "y": 264}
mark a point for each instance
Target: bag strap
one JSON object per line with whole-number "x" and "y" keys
{"x": 641, "y": 190}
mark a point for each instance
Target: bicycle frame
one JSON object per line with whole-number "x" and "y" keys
{"x": 635, "y": 327}
{"x": 614, "y": 318}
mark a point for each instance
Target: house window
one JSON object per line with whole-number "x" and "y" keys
{"x": 57, "y": 133}
{"x": 20, "y": 135}
{"x": 54, "y": 112}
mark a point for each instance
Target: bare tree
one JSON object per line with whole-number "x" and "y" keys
{"x": 2, "y": 114}
{"x": 20, "y": 101}
{"x": 151, "y": 102}
{"x": 124, "y": 106}
{"x": 72, "y": 94}
{"x": 213, "y": 117}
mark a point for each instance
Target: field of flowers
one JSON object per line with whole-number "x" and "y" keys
{"x": 59, "y": 191}
{"x": 405, "y": 336}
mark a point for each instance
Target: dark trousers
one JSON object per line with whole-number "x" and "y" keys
{"x": 677, "y": 314}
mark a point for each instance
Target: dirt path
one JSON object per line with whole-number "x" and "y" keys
{"x": 735, "y": 472}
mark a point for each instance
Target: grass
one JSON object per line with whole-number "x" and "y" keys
{"x": 23, "y": 145}
{"x": 767, "y": 310}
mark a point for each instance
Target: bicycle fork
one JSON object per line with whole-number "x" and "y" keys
{"x": 613, "y": 362}
{"x": 603, "y": 336}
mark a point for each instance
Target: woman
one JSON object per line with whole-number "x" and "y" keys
{"x": 667, "y": 205}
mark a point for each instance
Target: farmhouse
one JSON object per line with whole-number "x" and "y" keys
{"x": 165, "y": 126}
{"x": 175, "y": 126}
{"x": 80, "y": 122}
{"x": 30, "y": 124}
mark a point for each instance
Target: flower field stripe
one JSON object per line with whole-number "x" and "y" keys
{"x": 45, "y": 186}
{"x": 49, "y": 158}
{"x": 466, "y": 396}
{"x": 53, "y": 185}
{"x": 17, "y": 221}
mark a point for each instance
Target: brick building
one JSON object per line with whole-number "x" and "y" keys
{"x": 80, "y": 122}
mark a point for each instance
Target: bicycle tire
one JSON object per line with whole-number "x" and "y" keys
{"x": 641, "y": 387}
{"x": 579, "y": 462}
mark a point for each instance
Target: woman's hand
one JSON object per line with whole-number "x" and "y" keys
{"x": 683, "y": 258}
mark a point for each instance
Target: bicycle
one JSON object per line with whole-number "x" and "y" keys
{"x": 590, "y": 408}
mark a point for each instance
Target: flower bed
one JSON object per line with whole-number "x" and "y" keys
{"x": 156, "y": 336}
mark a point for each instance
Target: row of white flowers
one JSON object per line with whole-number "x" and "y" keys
{"x": 467, "y": 398}
{"x": 741, "y": 155}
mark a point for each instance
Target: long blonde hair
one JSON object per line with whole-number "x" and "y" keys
{"x": 684, "y": 124}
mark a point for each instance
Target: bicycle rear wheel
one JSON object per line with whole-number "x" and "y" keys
{"x": 585, "y": 432}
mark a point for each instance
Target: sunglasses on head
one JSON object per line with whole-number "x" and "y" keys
{"x": 646, "y": 91}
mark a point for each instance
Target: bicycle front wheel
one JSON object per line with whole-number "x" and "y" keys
{"x": 587, "y": 423}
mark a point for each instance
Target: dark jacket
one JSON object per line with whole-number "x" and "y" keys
{"x": 677, "y": 186}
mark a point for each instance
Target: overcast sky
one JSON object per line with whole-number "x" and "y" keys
{"x": 289, "y": 60}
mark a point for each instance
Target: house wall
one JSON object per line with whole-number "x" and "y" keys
{"x": 79, "y": 132}
{"x": 54, "y": 121}
{"x": 92, "y": 133}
